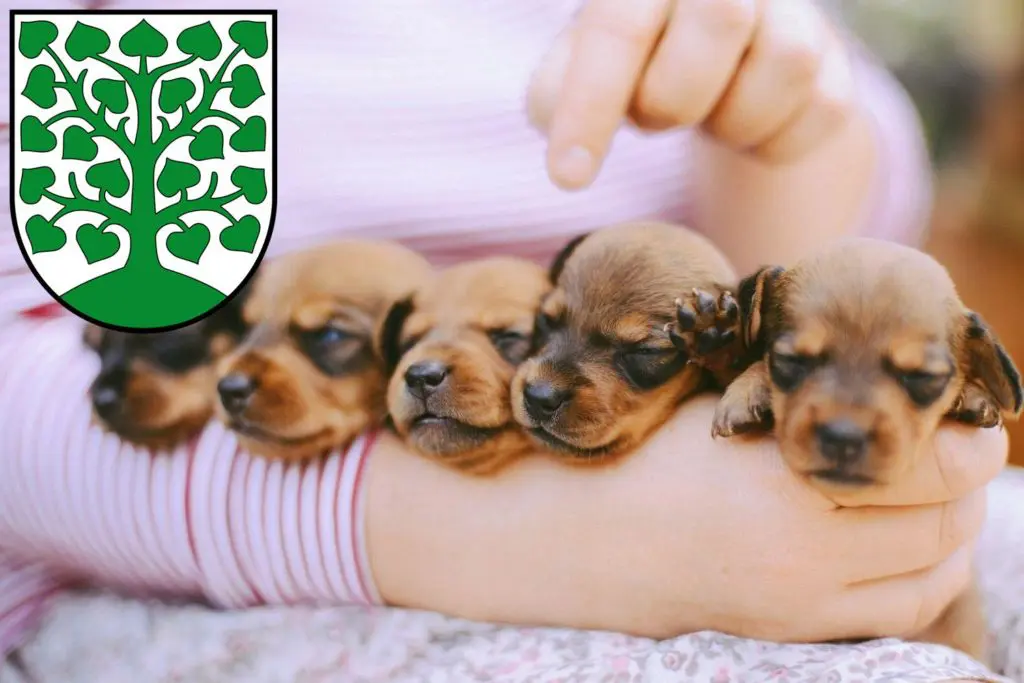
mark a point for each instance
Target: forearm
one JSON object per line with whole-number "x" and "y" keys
{"x": 204, "y": 521}
{"x": 544, "y": 543}
{"x": 872, "y": 178}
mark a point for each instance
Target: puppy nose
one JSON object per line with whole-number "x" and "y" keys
{"x": 106, "y": 400}
{"x": 543, "y": 399}
{"x": 235, "y": 391}
{"x": 425, "y": 377}
{"x": 841, "y": 441}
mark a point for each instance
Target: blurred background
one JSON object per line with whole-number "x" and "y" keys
{"x": 963, "y": 63}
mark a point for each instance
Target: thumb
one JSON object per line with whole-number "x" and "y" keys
{"x": 546, "y": 82}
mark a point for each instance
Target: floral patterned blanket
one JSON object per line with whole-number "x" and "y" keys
{"x": 91, "y": 638}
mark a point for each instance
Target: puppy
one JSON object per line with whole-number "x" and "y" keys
{"x": 157, "y": 390}
{"x": 306, "y": 378}
{"x": 861, "y": 350}
{"x": 453, "y": 348}
{"x": 618, "y": 344}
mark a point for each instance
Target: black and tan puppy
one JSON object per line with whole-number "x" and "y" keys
{"x": 306, "y": 378}
{"x": 157, "y": 390}
{"x": 617, "y": 349}
{"x": 861, "y": 350}
{"x": 454, "y": 347}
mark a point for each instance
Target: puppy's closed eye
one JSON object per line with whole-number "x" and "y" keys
{"x": 512, "y": 345}
{"x": 923, "y": 387}
{"x": 332, "y": 348}
{"x": 543, "y": 326}
{"x": 789, "y": 370}
{"x": 648, "y": 367}
{"x": 179, "y": 353}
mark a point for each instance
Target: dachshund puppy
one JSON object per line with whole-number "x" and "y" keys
{"x": 454, "y": 347}
{"x": 618, "y": 339}
{"x": 861, "y": 350}
{"x": 157, "y": 390}
{"x": 306, "y": 378}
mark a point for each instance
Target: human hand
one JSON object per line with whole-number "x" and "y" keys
{"x": 771, "y": 77}
{"x": 759, "y": 552}
{"x": 687, "y": 534}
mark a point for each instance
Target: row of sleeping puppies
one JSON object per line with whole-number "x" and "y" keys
{"x": 852, "y": 356}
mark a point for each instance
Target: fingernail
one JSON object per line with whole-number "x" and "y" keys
{"x": 574, "y": 168}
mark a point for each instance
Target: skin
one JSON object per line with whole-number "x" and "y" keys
{"x": 603, "y": 548}
{"x": 768, "y": 82}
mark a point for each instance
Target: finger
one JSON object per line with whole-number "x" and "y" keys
{"x": 959, "y": 459}
{"x": 776, "y": 78}
{"x": 546, "y": 81}
{"x": 902, "y": 605}
{"x": 694, "y": 62}
{"x": 828, "y": 110}
{"x": 879, "y": 541}
{"x": 610, "y": 45}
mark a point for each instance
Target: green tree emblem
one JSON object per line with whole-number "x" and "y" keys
{"x": 143, "y": 158}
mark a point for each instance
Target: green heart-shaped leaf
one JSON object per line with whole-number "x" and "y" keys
{"x": 35, "y": 137}
{"x": 39, "y": 88}
{"x": 189, "y": 244}
{"x": 108, "y": 177}
{"x": 86, "y": 41}
{"x": 245, "y": 86}
{"x": 177, "y": 177}
{"x": 112, "y": 94}
{"x": 96, "y": 245}
{"x": 201, "y": 41}
{"x": 251, "y": 36}
{"x": 207, "y": 144}
{"x": 34, "y": 181}
{"x": 44, "y": 236}
{"x": 78, "y": 144}
{"x": 252, "y": 182}
{"x": 35, "y": 37}
{"x": 142, "y": 40}
{"x": 242, "y": 236}
{"x": 175, "y": 93}
{"x": 251, "y": 137}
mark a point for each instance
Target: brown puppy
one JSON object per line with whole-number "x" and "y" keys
{"x": 157, "y": 390}
{"x": 306, "y": 378}
{"x": 861, "y": 350}
{"x": 610, "y": 367}
{"x": 454, "y": 347}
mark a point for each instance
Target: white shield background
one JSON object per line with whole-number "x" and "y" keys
{"x": 218, "y": 267}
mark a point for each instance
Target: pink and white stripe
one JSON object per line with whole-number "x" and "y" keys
{"x": 396, "y": 120}
{"x": 206, "y": 521}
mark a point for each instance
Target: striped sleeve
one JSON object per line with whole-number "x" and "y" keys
{"x": 24, "y": 590}
{"x": 205, "y": 521}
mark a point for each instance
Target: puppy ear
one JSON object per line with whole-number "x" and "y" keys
{"x": 92, "y": 336}
{"x": 559, "y": 263}
{"x": 756, "y": 300}
{"x": 991, "y": 366}
{"x": 390, "y": 332}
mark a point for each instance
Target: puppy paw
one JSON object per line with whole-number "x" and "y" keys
{"x": 746, "y": 405}
{"x": 707, "y": 322}
{"x": 732, "y": 419}
{"x": 976, "y": 408}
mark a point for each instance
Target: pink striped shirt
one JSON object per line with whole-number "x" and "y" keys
{"x": 398, "y": 119}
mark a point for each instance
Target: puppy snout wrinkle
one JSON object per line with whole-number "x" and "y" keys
{"x": 425, "y": 377}
{"x": 841, "y": 441}
{"x": 235, "y": 391}
{"x": 543, "y": 399}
